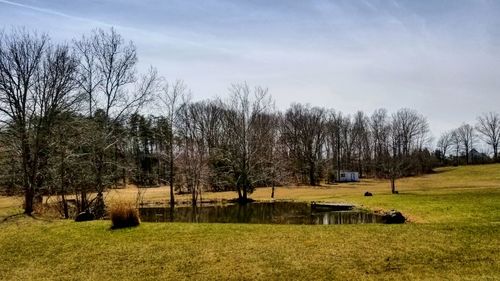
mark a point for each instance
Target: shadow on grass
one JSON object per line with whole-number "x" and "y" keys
{"x": 18, "y": 216}
{"x": 12, "y": 217}
{"x": 113, "y": 227}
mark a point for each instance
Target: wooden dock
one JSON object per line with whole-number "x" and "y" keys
{"x": 326, "y": 207}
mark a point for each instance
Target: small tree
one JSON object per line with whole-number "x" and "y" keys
{"x": 444, "y": 144}
{"x": 488, "y": 126}
{"x": 394, "y": 162}
{"x": 466, "y": 136}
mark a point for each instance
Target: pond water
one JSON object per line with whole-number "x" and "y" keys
{"x": 262, "y": 213}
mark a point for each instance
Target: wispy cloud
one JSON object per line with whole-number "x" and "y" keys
{"x": 440, "y": 57}
{"x": 54, "y": 13}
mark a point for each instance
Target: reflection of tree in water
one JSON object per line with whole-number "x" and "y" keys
{"x": 276, "y": 212}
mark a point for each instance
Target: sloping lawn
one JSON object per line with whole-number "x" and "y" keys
{"x": 454, "y": 234}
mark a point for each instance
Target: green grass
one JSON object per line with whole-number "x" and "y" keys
{"x": 454, "y": 235}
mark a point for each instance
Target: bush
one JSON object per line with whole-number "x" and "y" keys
{"x": 124, "y": 215}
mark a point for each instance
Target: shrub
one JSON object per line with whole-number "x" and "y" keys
{"x": 124, "y": 215}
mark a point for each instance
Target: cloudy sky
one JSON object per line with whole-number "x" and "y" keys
{"x": 439, "y": 57}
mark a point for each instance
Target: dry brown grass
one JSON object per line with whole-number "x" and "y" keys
{"x": 124, "y": 214}
{"x": 443, "y": 180}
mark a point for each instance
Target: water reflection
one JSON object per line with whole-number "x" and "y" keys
{"x": 263, "y": 213}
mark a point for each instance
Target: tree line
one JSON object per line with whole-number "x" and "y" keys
{"x": 73, "y": 122}
{"x": 459, "y": 146}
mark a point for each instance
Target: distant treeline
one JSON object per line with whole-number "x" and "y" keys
{"x": 72, "y": 122}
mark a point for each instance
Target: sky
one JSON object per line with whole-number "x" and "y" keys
{"x": 441, "y": 58}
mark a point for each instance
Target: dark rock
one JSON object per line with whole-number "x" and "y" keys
{"x": 241, "y": 201}
{"x": 85, "y": 216}
{"x": 393, "y": 217}
{"x": 368, "y": 194}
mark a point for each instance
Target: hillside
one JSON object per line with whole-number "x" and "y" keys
{"x": 453, "y": 234}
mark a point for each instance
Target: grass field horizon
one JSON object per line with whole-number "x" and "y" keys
{"x": 453, "y": 233}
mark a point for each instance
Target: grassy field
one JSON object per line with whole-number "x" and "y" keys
{"x": 453, "y": 234}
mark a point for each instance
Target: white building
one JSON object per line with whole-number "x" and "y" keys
{"x": 348, "y": 176}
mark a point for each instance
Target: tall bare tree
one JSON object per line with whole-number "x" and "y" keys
{"x": 444, "y": 144}
{"x": 114, "y": 91}
{"x": 173, "y": 98}
{"x": 457, "y": 145}
{"x": 380, "y": 129}
{"x": 488, "y": 125}
{"x": 467, "y": 138}
{"x": 408, "y": 133}
{"x": 36, "y": 85}
{"x": 277, "y": 167}
{"x": 395, "y": 160}
{"x": 411, "y": 130}
{"x": 361, "y": 143}
{"x": 334, "y": 143}
{"x": 245, "y": 118}
{"x": 305, "y": 134}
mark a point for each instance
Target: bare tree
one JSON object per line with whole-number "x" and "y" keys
{"x": 411, "y": 130}
{"x": 173, "y": 97}
{"x": 195, "y": 132}
{"x": 36, "y": 85}
{"x": 408, "y": 131}
{"x": 444, "y": 144}
{"x": 334, "y": 143}
{"x": 395, "y": 162}
{"x": 380, "y": 129}
{"x": 457, "y": 145}
{"x": 277, "y": 169}
{"x": 466, "y": 135}
{"x": 361, "y": 141}
{"x": 488, "y": 125}
{"x": 245, "y": 119}
{"x": 69, "y": 170}
{"x": 89, "y": 77}
{"x": 305, "y": 134}
{"x": 107, "y": 75}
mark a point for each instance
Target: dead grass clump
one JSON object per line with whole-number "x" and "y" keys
{"x": 124, "y": 215}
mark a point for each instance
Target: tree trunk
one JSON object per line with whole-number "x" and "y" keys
{"x": 194, "y": 193}
{"x": 338, "y": 157}
{"x": 65, "y": 206}
{"x": 172, "y": 199}
{"x": 63, "y": 189}
{"x": 238, "y": 188}
{"x": 29, "y": 196}
{"x": 29, "y": 193}
{"x": 83, "y": 201}
{"x": 99, "y": 205}
{"x": 245, "y": 193}
{"x": 393, "y": 184}
{"x": 201, "y": 198}
{"x": 312, "y": 179}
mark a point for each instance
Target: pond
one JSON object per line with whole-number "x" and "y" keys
{"x": 261, "y": 213}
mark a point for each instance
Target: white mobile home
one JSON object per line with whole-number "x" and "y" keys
{"x": 348, "y": 176}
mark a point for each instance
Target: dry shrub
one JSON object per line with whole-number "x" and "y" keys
{"x": 124, "y": 215}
